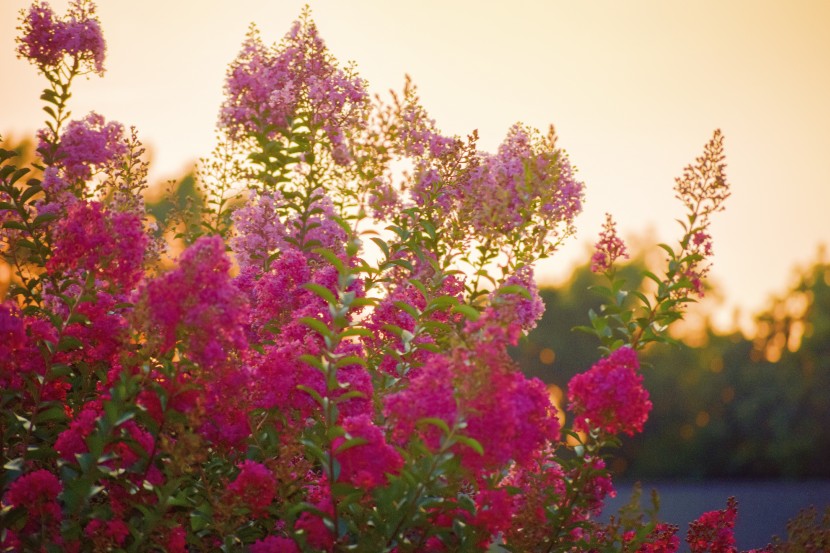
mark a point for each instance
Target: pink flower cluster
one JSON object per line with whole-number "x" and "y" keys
{"x": 89, "y": 144}
{"x": 259, "y": 230}
{"x": 713, "y": 532}
{"x": 37, "y": 493}
{"x": 199, "y": 302}
{"x": 46, "y": 39}
{"x": 515, "y": 307}
{"x": 527, "y": 180}
{"x": 663, "y": 539}
{"x": 506, "y": 413}
{"x": 254, "y": 487}
{"x": 609, "y": 248}
{"x": 109, "y": 245}
{"x": 367, "y": 464}
{"x": 610, "y": 396}
{"x": 267, "y": 88}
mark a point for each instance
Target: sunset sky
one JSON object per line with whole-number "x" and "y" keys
{"x": 635, "y": 89}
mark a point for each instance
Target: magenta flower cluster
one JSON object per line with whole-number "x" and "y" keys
{"x": 47, "y": 40}
{"x": 610, "y": 396}
{"x": 268, "y": 89}
{"x": 609, "y": 249}
{"x": 89, "y": 144}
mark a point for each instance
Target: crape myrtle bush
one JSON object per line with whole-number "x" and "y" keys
{"x": 324, "y": 366}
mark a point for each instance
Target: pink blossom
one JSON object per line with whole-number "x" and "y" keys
{"x": 610, "y": 396}
{"x": 268, "y": 86}
{"x": 527, "y": 183}
{"x": 198, "y": 299}
{"x": 430, "y": 394}
{"x": 494, "y": 511}
{"x": 281, "y": 372}
{"x": 89, "y": 144}
{"x": 663, "y": 539}
{"x": 713, "y": 531}
{"x": 176, "y": 540}
{"x": 317, "y": 227}
{"x": 596, "y": 485}
{"x": 107, "y": 533}
{"x": 317, "y": 533}
{"x": 72, "y": 441}
{"x": 259, "y": 231}
{"x": 609, "y": 248}
{"x": 366, "y": 465}
{"x": 276, "y": 294}
{"x": 103, "y": 335}
{"x": 508, "y": 414}
{"x": 133, "y": 437}
{"x": 46, "y": 39}
{"x": 55, "y": 186}
{"x": 418, "y": 132}
{"x": 20, "y": 354}
{"x": 107, "y": 244}
{"x": 254, "y": 487}
{"x": 354, "y": 378}
{"x": 275, "y": 544}
{"x": 515, "y": 307}
{"x": 37, "y": 493}
{"x": 12, "y": 329}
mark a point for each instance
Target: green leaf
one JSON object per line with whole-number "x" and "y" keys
{"x": 313, "y": 393}
{"x": 317, "y": 325}
{"x": 363, "y": 302}
{"x": 313, "y": 360}
{"x": 78, "y": 318}
{"x": 54, "y": 413}
{"x": 13, "y": 469}
{"x": 668, "y": 250}
{"x": 200, "y": 520}
{"x": 429, "y": 228}
{"x": 33, "y": 189}
{"x": 468, "y": 311}
{"x": 331, "y": 257}
{"x": 384, "y": 247}
{"x": 18, "y": 174}
{"x": 471, "y": 443}
{"x": 441, "y": 302}
{"x": 586, "y": 329}
{"x": 321, "y": 291}
{"x": 403, "y": 234}
{"x": 357, "y": 331}
{"x": 17, "y": 225}
{"x": 434, "y": 421}
{"x": 403, "y": 306}
{"x": 7, "y": 170}
{"x": 315, "y": 451}
{"x": 350, "y": 443}
{"x": 350, "y": 360}
{"x": 67, "y": 343}
{"x": 514, "y": 289}
{"x": 44, "y": 218}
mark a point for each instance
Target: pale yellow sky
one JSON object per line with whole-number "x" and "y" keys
{"x": 635, "y": 88}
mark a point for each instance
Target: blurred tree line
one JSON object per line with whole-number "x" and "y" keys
{"x": 728, "y": 406}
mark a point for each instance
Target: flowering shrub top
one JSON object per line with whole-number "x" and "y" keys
{"x": 324, "y": 367}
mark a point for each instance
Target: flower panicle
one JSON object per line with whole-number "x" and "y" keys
{"x": 49, "y": 41}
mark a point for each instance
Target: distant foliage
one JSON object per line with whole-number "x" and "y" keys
{"x": 753, "y": 406}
